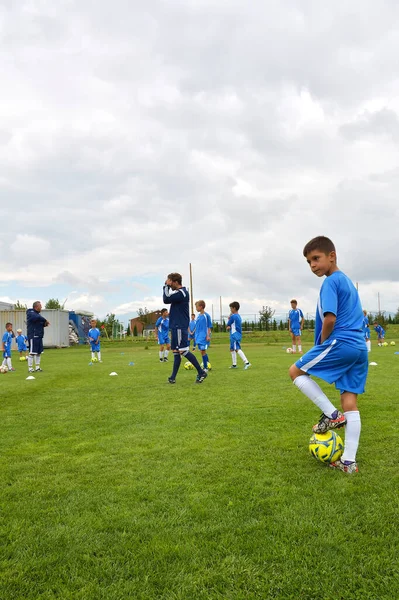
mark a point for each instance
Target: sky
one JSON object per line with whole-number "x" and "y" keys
{"x": 137, "y": 138}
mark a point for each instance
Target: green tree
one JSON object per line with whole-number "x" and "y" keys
{"x": 53, "y": 303}
{"x": 143, "y": 315}
{"x": 19, "y": 306}
{"x": 266, "y": 315}
{"x": 110, "y": 324}
{"x": 135, "y": 333}
{"x": 397, "y": 316}
{"x": 128, "y": 330}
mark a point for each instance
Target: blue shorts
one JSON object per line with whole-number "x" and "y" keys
{"x": 35, "y": 345}
{"x": 95, "y": 347}
{"x": 163, "y": 339}
{"x": 179, "y": 339}
{"x": 22, "y": 348}
{"x": 203, "y": 347}
{"x": 337, "y": 362}
{"x": 296, "y": 332}
{"x": 7, "y": 354}
{"x": 367, "y": 334}
{"x": 235, "y": 345}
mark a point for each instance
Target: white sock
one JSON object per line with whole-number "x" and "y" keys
{"x": 30, "y": 361}
{"x": 313, "y": 391}
{"x": 160, "y": 354}
{"x": 37, "y": 360}
{"x": 242, "y": 356}
{"x": 99, "y": 355}
{"x": 300, "y": 347}
{"x": 92, "y": 355}
{"x": 352, "y": 435}
{"x": 166, "y": 353}
{"x": 294, "y": 347}
{"x": 368, "y": 344}
{"x": 9, "y": 365}
{"x": 234, "y": 358}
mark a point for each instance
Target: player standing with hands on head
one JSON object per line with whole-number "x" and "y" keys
{"x": 179, "y": 317}
{"x": 340, "y": 353}
{"x": 35, "y": 323}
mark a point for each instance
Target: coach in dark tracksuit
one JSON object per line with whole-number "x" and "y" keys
{"x": 35, "y": 325}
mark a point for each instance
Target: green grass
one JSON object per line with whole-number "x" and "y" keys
{"x": 125, "y": 487}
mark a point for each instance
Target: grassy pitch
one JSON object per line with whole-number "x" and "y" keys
{"x": 127, "y": 487}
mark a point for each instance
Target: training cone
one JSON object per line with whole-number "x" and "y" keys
{"x": 31, "y": 377}
{"x": 113, "y": 374}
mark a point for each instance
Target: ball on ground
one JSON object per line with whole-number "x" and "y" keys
{"x": 289, "y": 351}
{"x": 209, "y": 367}
{"x": 326, "y": 447}
{"x": 188, "y": 366}
{"x": 393, "y": 343}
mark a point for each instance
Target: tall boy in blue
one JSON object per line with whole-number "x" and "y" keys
{"x": 6, "y": 346}
{"x": 177, "y": 296}
{"x": 203, "y": 332}
{"x": 35, "y": 324}
{"x": 295, "y": 325}
{"x": 340, "y": 353}
{"x": 94, "y": 340}
{"x": 234, "y": 326}
{"x": 162, "y": 333}
{"x": 191, "y": 331}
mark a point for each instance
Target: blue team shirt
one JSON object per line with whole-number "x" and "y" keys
{"x": 379, "y": 330}
{"x": 192, "y": 325}
{"x": 201, "y": 331}
{"x": 295, "y": 316}
{"x": 21, "y": 342}
{"x": 7, "y": 339}
{"x": 95, "y": 334}
{"x": 163, "y": 326}
{"x": 179, "y": 314}
{"x": 209, "y": 320}
{"x": 339, "y": 296}
{"x": 235, "y": 327}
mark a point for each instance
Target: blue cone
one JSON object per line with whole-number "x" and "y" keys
{"x": 131, "y": 364}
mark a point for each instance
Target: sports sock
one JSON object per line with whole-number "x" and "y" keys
{"x": 37, "y": 359}
{"x": 205, "y": 361}
{"x": 190, "y": 356}
{"x": 352, "y": 435}
{"x": 160, "y": 354}
{"x": 300, "y": 347}
{"x": 294, "y": 347}
{"x": 30, "y": 361}
{"x": 313, "y": 391}
{"x": 166, "y": 353}
{"x": 92, "y": 355}
{"x": 9, "y": 365}
{"x": 368, "y": 344}
{"x": 176, "y": 364}
{"x": 242, "y": 356}
{"x": 234, "y": 357}
{"x": 99, "y": 355}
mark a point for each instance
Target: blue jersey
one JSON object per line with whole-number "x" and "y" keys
{"x": 21, "y": 342}
{"x": 209, "y": 320}
{"x": 94, "y": 333}
{"x": 163, "y": 326}
{"x": 7, "y": 339}
{"x": 201, "y": 331}
{"x": 179, "y": 314}
{"x": 380, "y": 331}
{"x": 191, "y": 326}
{"x": 234, "y": 323}
{"x": 339, "y": 296}
{"x": 295, "y": 316}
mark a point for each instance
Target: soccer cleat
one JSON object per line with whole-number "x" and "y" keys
{"x": 233, "y": 367}
{"x": 247, "y": 365}
{"x": 346, "y": 466}
{"x": 161, "y": 360}
{"x": 31, "y": 370}
{"x": 12, "y": 369}
{"x": 38, "y": 369}
{"x": 325, "y": 423}
{"x": 165, "y": 360}
{"x": 170, "y": 380}
{"x": 200, "y": 378}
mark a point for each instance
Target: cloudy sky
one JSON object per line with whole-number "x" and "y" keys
{"x": 137, "y": 137}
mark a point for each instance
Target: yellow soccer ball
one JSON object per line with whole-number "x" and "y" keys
{"x": 393, "y": 343}
{"x": 95, "y": 359}
{"x": 209, "y": 367}
{"x": 22, "y": 359}
{"x": 326, "y": 447}
{"x": 188, "y": 366}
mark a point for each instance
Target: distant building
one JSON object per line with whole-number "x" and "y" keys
{"x": 145, "y": 328}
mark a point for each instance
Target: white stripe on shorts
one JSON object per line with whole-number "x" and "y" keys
{"x": 317, "y": 359}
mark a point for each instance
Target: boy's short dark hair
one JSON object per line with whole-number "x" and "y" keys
{"x": 319, "y": 243}
{"x": 7, "y": 324}
{"x": 175, "y": 277}
{"x": 235, "y": 305}
{"x": 193, "y": 315}
{"x": 200, "y": 303}
{"x": 163, "y": 310}
{"x": 293, "y": 301}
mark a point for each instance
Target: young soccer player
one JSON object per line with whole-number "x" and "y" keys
{"x": 177, "y": 296}
{"x": 162, "y": 332}
{"x": 35, "y": 324}
{"x": 21, "y": 341}
{"x": 295, "y": 326}
{"x": 94, "y": 340}
{"x": 191, "y": 331}
{"x": 202, "y": 332}
{"x": 6, "y": 341}
{"x": 380, "y": 333}
{"x": 339, "y": 355}
{"x": 366, "y": 330}
{"x": 234, "y": 326}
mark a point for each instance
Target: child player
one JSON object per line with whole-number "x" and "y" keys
{"x": 191, "y": 331}
{"x": 177, "y": 296}
{"x": 380, "y": 333}
{"x": 366, "y": 330}
{"x": 21, "y": 341}
{"x": 295, "y": 326}
{"x": 202, "y": 332}
{"x": 94, "y": 339}
{"x": 234, "y": 326}
{"x": 162, "y": 332}
{"x": 339, "y": 355}
{"x": 6, "y": 342}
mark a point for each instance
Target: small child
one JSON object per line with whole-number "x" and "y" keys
{"x": 162, "y": 333}
{"x": 191, "y": 331}
{"x": 295, "y": 326}
{"x": 380, "y": 333}
{"x": 94, "y": 339}
{"x": 21, "y": 341}
{"x": 7, "y": 339}
{"x": 202, "y": 332}
{"x": 234, "y": 326}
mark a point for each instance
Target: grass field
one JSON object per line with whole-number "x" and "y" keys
{"x": 126, "y": 487}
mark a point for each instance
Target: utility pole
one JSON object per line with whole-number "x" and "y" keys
{"x": 379, "y": 305}
{"x": 221, "y": 316}
{"x": 191, "y": 290}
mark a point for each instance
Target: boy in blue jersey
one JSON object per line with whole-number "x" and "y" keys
{"x": 380, "y": 333}
{"x": 94, "y": 340}
{"x": 202, "y": 332}
{"x": 234, "y": 326}
{"x": 366, "y": 329}
{"x": 339, "y": 355}
{"x": 177, "y": 296}
{"x": 6, "y": 346}
{"x": 295, "y": 326}
{"x": 21, "y": 341}
{"x": 162, "y": 333}
{"x": 191, "y": 331}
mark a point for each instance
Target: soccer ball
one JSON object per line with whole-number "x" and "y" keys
{"x": 385, "y": 344}
{"x": 188, "y": 366}
{"x": 3, "y": 369}
{"x": 95, "y": 359}
{"x": 22, "y": 359}
{"x": 326, "y": 447}
{"x": 209, "y": 367}
{"x": 393, "y": 343}
{"x": 289, "y": 351}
